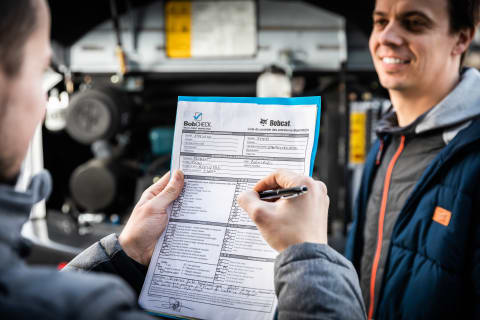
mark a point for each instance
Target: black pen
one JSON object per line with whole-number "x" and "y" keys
{"x": 283, "y": 193}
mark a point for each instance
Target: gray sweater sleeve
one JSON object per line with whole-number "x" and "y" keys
{"x": 313, "y": 281}
{"x": 107, "y": 256}
{"x": 99, "y": 252}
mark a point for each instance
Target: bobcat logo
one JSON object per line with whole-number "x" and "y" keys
{"x": 263, "y": 122}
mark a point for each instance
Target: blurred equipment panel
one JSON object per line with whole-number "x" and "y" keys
{"x": 215, "y": 36}
{"x": 206, "y": 29}
{"x": 111, "y": 116}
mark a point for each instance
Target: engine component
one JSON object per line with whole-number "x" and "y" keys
{"x": 93, "y": 185}
{"x": 97, "y": 113}
{"x": 274, "y": 82}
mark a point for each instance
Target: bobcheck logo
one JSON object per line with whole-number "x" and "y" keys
{"x": 198, "y": 116}
{"x": 263, "y": 122}
{"x": 197, "y": 121}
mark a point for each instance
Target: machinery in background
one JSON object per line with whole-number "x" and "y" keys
{"x": 112, "y": 103}
{"x": 109, "y": 126}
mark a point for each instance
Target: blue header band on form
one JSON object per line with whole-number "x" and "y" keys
{"x": 277, "y": 101}
{"x": 155, "y": 314}
{"x": 271, "y": 101}
{"x": 317, "y": 134}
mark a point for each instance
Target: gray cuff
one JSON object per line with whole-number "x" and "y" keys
{"x": 110, "y": 244}
{"x": 313, "y": 281}
{"x": 307, "y": 251}
{"x": 97, "y": 253}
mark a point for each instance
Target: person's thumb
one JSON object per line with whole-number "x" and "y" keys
{"x": 257, "y": 209}
{"x": 171, "y": 192}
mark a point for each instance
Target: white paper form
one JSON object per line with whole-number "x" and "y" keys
{"x": 211, "y": 262}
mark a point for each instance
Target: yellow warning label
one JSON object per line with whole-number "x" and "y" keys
{"x": 357, "y": 137}
{"x": 178, "y": 27}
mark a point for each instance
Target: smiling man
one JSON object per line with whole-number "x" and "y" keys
{"x": 415, "y": 241}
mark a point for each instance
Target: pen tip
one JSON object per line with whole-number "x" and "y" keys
{"x": 304, "y": 188}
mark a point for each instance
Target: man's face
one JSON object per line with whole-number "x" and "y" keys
{"x": 24, "y": 97}
{"x": 411, "y": 45}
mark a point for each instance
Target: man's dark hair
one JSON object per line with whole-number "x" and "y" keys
{"x": 18, "y": 19}
{"x": 464, "y": 14}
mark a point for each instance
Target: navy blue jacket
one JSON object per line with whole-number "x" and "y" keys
{"x": 432, "y": 270}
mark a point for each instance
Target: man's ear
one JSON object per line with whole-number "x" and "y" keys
{"x": 464, "y": 38}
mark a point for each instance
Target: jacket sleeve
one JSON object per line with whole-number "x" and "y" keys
{"x": 313, "y": 281}
{"x": 107, "y": 298}
{"x": 107, "y": 256}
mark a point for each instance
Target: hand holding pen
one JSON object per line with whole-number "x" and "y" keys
{"x": 285, "y": 223}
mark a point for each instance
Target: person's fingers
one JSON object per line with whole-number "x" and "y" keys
{"x": 247, "y": 200}
{"x": 284, "y": 179}
{"x": 154, "y": 189}
{"x": 258, "y": 210}
{"x": 171, "y": 192}
{"x": 279, "y": 179}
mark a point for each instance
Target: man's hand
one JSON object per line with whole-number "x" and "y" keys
{"x": 286, "y": 222}
{"x": 149, "y": 218}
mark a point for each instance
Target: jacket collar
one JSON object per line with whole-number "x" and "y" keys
{"x": 459, "y": 106}
{"x": 15, "y": 206}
